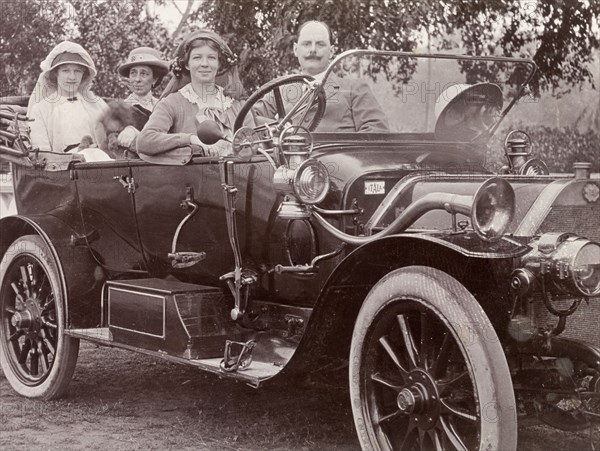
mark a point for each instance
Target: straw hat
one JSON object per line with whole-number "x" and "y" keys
{"x": 145, "y": 56}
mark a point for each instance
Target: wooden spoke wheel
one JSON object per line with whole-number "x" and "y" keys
{"x": 427, "y": 371}
{"x": 37, "y": 358}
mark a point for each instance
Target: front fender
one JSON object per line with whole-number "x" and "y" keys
{"x": 470, "y": 245}
{"x": 480, "y": 266}
{"x": 443, "y": 251}
{"x": 81, "y": 276}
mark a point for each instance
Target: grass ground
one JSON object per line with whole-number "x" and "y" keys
{"x": 123, "y": 401}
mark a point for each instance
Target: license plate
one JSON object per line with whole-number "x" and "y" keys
{"x": 374, "y": 187}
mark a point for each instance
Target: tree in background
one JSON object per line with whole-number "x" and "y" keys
{"x": 28, "y": 30}
{"x": 107, "y": 29}
{"x": 558, "y": 34}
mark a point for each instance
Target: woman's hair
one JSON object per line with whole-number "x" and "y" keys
{"x": 157, "y": 78}
{"x": 154, "y": 74}
{"x": 200, "y": 42}
{"x": 52, "y": 76}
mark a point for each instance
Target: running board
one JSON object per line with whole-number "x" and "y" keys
{"x": 100, "y": 335}
{"x": 258, "y": 372}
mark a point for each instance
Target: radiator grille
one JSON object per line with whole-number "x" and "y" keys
{"x": 583, "y": 220}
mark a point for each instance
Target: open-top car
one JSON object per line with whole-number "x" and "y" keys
{"x": 461, "y": 299}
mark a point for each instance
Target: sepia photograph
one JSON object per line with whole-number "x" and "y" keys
{"x": 306, "y": 225}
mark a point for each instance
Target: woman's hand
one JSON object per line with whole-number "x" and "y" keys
{"x": 127, "y": 137}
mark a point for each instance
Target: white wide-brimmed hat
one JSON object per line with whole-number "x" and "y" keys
{"x": 68, "y": 53}
{"x": 72, "y": 58}
{"x": 144, "y": 56}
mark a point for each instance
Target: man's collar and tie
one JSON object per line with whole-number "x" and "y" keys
{"x": 319, "y": 76}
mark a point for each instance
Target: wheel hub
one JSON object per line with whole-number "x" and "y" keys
{"x": 420, "y": 399}
{"x": 411, "y": 400}
{"x": 29, "y": 319}
{"x": 22, "y": 320}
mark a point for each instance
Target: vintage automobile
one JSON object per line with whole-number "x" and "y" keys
{"x": 462, "y": 300}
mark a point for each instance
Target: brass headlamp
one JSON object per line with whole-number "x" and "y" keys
{"x": 302, "y": 180}
{"x": 568, "y": 262}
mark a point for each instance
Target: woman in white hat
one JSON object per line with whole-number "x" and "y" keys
{"x": 65, "y": 111}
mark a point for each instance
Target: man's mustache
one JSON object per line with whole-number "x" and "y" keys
{"x": 313, "y": 57}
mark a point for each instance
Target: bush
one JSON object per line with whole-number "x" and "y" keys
{"x": 559, "y": 148}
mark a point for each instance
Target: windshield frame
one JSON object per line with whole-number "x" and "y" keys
{"x": 520, "y": 91}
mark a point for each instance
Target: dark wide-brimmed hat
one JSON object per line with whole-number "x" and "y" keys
{"x": 144, "y": 56}
{"x": 227, "y": 76}
{"x": 465, "y": 94}
{"x": 454, "y": 101}
{"x": 227, "y": 58}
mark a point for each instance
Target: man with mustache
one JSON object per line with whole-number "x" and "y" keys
{"x": 351, "y": 105}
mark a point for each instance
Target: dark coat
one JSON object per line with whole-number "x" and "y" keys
{"x": 351, "y": 106}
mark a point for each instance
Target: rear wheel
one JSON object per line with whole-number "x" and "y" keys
{"x": 37, "y": 358}
{"x": 427, "y": 370}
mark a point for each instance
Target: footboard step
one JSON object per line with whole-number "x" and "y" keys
{"x": 102, "y": 334}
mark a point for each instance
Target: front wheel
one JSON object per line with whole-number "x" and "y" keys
{"x": 37, "y": 358}
{"x": 427, "y": 371}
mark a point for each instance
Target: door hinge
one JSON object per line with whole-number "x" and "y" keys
{"x": 127, "y": 182}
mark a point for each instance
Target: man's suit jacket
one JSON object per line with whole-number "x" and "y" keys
{"x": 351, "y": 106}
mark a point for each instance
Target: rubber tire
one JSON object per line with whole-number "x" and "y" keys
{"x": 445, "y": 295}
{"x": 67, "y": 348}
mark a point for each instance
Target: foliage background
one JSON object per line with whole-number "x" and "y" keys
{"x": 558, "y": 147}
{"x": 108, "y": 30}
{"x": 563, "y": 147}
{"x": 561, "y": 36}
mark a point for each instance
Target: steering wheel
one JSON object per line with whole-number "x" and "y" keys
{"x": 306, "y": 102}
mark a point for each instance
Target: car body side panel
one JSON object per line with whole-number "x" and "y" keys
{"x": 107, "y": 215}
{"x": 205, "y": 231}
{"x": 198, "y": 185}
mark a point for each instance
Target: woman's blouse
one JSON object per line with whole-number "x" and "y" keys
{"x": 60, "y": 124}
{"x": 174, "y": 120}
